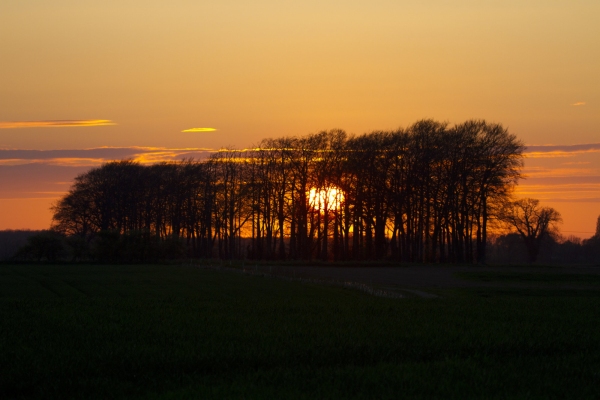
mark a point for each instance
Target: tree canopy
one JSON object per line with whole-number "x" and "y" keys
{"x": 532, "y": 221}
{"x": 426, "y": 193}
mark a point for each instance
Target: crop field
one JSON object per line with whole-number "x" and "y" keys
{"x": 165, "y": 331}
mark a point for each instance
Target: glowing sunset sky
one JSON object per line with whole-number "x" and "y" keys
{"x": 186, "y": 76}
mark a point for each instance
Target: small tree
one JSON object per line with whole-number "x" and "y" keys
{"x": 46, "y": 245}
{"x": 591, "y": 246}
{"x": 532, "y": 222}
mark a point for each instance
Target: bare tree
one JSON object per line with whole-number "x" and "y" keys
{"x": 532, "y": 221}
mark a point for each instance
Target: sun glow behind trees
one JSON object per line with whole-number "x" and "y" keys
{"x": 421, "y": 194}
{"x": 329, "y": 198}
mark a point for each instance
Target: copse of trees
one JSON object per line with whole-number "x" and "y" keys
{"x": 427, "y": 193}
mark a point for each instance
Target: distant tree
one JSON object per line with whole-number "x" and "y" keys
{"x": 568, "y": 250}
{"x": 45, "y": 246}
{"x": 532, "y": 222}
{"x": 507, "y": 249}
{"x": 591, "y": 246}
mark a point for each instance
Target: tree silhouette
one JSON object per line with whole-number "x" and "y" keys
{"x": 44, "y": 246}
{"x": 533, "y": 222}
{"x": 422, "y": 194}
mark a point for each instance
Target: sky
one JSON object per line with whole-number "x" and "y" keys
{"x": 82, "y": 82}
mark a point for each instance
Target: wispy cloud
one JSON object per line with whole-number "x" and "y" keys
{"x": 549, "y": 172}
{"x": 576, "y": 163}
{"x": 55, "y": 123}
{"x": 579, "y": 103}
{"x": 48, "y": 174}
{"x": 562, "y": 189}
{"x": 551, "y": 151}
{"x": 550, "y": 180}
{"x": 66, "y": 161}
{"x": 96, "y": 156}
{"x": 574, "y": 178}
{"x": 199, "y": 130}
{"x": 31, "y": 195}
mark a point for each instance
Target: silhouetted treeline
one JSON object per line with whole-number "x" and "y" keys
{"x": 510, "y": 249}
{"x": 423, "y": 194}
{"x": 135, "y": 247}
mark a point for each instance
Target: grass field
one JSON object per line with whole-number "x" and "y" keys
{"x": 145, "y": 331}
{"x": 544, "y": 277}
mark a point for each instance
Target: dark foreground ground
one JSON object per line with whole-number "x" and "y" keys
{"x": 427, "y": 280}
{"x": 187, "y": 332}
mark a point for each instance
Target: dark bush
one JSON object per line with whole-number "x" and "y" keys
{"x": 45, "y": 246}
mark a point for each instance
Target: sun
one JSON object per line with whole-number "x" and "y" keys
{"x": 328, "y": 198}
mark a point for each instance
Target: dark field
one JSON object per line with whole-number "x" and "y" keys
{"x": 146, "y": 331}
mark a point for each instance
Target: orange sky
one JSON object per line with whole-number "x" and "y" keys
{"x": 268, "y": 68}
